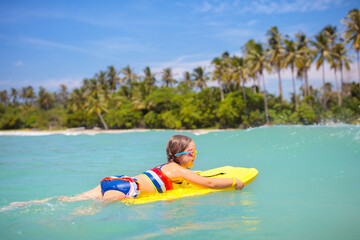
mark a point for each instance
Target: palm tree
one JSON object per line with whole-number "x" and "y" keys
{"x": 306, "y": 57}
{"x": 249, "y": 45}
{"x": 339, "y": 59}
{"x": 217, "y": 74}
{"x": 187, "y": 78}
{"x": 23, "y": 94}
{"x": 101, "y": 79}
{"x": 322, "y": 45}
{"x": 77, "y": 99}
{"x": 167, "y": 77}
{"x": 290, "y": 58}
{"x": 129, "y": 75}
{"x": 335, "y": 65}
{"x": 112, "y": 78}
{"x": 63, "y": 94}
{"x": 30, "y": 94}
{"x": 200, "y": 77}
{"x": 257, "y": 60}
{"x": 86, "y": 83}
{"x": 93, "y": 86}
{"x": 45, "y": 99}
{"x": 4, "y": 98}
{"x": 146, "y": 87}
{"x": 331, "y": 34}
{"x": 14, "y": 93}
{"x": 276, "y": 53}
{"x": 343, "y": 59}
{"x": 227, "y": 73}
{"x": 149, "y": 77}
{"x": 239, "y": 73}
{"x": 220, "y": 71}
{"x": 98, "y": 103}
{"x": 141, "y": 90}
{"x": 352, "y": 34}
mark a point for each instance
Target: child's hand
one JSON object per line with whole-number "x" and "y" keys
{"x": 239, "y": 184}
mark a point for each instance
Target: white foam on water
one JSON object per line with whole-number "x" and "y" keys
{"x": 69, "y": 132}
{"x": 357, "y": 136}
{"x": 25, "y": 133}
{"x": 11, "y": 206}
{"x": 32, "y": 134}
{"x": 76, "y": 134}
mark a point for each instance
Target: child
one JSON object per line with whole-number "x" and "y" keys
{"x": 181, "y": 154}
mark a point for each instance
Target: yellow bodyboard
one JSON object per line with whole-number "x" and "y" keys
{"x": 247, "y": 175}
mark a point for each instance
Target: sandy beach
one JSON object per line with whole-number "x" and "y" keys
{"x": 78, "y": 131}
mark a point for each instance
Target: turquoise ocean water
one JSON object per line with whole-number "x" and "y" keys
{"x": 307, "y": 187}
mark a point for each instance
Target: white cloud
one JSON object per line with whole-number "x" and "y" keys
{"x": 18, "y": 63}
{"x": 14, "y": 15}
{"x": 46, "y": 43}
{"x": 121, "y": 44}
{"x": 51, "y": 84}
{"x": 179, "y": 66}
{"x": 54, "y": 83}
{"x": 206, "y": 7}
{"x": 220, "y": 7}
{"x": 211, "y": 7}
{"x": 252, "y": 22}
{"x": 267, "y": 6}
{"x": 285, "y": 6}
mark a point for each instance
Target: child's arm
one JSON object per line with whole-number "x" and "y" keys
{"x": 216, "y": 183}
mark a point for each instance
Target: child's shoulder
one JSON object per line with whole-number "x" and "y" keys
{"x": 171, "y": 166}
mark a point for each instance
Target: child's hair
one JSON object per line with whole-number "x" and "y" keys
{"x": 176, "y": 144}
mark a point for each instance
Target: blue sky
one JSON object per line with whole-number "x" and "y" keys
{"x": 47, "y": 43}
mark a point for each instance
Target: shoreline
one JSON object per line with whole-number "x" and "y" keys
{"x": 83, "y": 131}
{"x": 79, "y": 131}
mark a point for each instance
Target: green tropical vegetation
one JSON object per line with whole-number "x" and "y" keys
{"x": 122, "y": 99}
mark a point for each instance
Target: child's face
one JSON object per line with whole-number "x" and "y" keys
{"x": 186, "y": 160}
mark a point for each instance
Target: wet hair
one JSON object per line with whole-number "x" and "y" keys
{"x": 176, "y": 144}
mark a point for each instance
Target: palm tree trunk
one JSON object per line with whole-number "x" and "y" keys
{"x": 243, "y": 90}
{"x": 103, "y": 121}
{"x": 258, "y": 79}
{"x": 280, "y": 87}
{"x": 265, "y": 101}
{"x": 244, "y": 95}
{"x": 338, "y": 89}
{"x": 307, "y": 84}
{"x": 304, "y": 86}
{"x": 357, "y": 53}
{"x": 221, "y": 88}
{"x": 324, "y": 88}
{"x": 254, "y": 87}
{"x": 342, "y": 81}
{"x": 294, "y": 88}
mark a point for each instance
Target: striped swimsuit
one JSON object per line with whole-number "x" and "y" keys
{"x": 159, "y": 180}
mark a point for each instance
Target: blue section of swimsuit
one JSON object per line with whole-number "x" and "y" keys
{"x": 116, "y": 184}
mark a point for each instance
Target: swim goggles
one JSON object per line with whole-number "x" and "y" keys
{"x": 191, "y": 153}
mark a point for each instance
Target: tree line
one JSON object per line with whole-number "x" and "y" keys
{"x": 125, "y": 99}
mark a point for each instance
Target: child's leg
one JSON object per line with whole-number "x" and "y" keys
{"x": 113, "y": 195}
{"x": 89, "y": 195}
